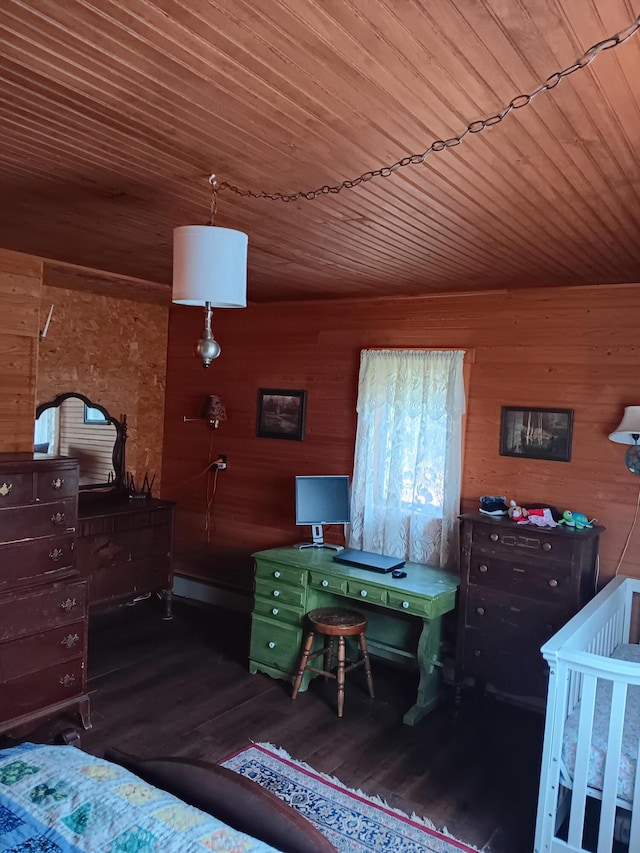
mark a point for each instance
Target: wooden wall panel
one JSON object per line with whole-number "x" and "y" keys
{"x": 112, "y": 350}
{"x": 20, "y": 284}
{"x": 571, "y": 348}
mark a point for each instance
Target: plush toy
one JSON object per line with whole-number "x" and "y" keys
{"x": 575, "y": 519}
{"x": 517, "y": 513}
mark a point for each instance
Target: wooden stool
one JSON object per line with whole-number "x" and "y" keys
{"x": 335, "y": 622}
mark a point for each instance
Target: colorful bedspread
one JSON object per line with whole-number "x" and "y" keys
{"x": 57, "y": 799}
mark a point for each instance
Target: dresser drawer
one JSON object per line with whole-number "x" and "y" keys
{"x": 36, "y": 560}
{"x": 282, "y": 574}
{"x": 125, "y": 546}
{"x": 37, "y": 690}
{"x": 32, "y": 612}
{"x": 521, "y": 542}
{"x": 128, "y": 579}
{"x": 512, "y": 665}
{"x": 40, "y": 651}
{"x": 56, "y": 483}
{"x": 551, "y": 582}
{"x": 277, "y": 611}
{"x": 495, "y": 614}
{"x": 319, "y": 580}
{"x": 29, "y": 522}
{"x": 16, "y": 489}
{"x": 274, "y": 590}
{"x": 275, "y": 644}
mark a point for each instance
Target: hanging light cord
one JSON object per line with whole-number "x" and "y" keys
{"x": 631, "y": 529}
{"x": 477, "y": 126}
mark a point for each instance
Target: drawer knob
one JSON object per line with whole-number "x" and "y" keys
{"x": 67, "y": 680}
{"x": 275, "y": 611}
{"x": 477, "y": 653}
{"x": 325, "y": 583}
{"x": 58, "y": 483}
{"x": 5, "y": 488}
{"x": 483, "y": 568}
{"x": 494, "y": 537}
{"x": 70, "y": 640}
{"x": 69, "y": 604}
{"x": 55, "y": 554}
{"x": 547, "y": 546}
{"x": 553, "y": 583}
{"x": 276, "y": 593}
{"x": 363, "y": 593}
{"x": 480, "y": 611}
{"x": 276, "y": 574}
{"x": 271, "y": 645}
{"x": 405, "y": 604}
{"x": 57, "y": 518}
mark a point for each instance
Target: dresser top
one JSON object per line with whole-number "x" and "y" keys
{"x": 23, "y": 461}
{"x": 506, "y": 523}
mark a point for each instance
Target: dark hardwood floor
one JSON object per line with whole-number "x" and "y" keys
{"x": 182, "y": 688}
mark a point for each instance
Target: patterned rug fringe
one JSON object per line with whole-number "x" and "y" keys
{"x": 378, "y": 801}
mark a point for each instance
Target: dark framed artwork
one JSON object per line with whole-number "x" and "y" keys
{"x": 94, "y": 416}
{"x": 536, "y": 433}
{"x": 281, "y": 414}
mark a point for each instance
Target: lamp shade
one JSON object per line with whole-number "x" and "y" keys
{"x": 628, "y": 427}
{"x": 210, "y": 265}
{"x": 213, "y": 409}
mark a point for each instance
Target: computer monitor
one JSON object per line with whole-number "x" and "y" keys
{"x": 322, "y": 500}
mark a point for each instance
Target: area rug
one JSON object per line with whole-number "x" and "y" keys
{"x": 352, "y": 822}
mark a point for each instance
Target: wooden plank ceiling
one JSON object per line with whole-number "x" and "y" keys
{"x": 113, "y": 115}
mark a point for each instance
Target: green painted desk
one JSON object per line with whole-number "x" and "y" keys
{"x": 404, "y": 616}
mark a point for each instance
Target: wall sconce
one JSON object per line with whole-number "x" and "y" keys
{"x": 628, "y": 432}
{"x": 213, "y": 412}
{"x": 209, "y": 269}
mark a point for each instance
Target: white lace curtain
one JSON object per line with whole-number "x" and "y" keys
{"x": 405, "y": 494}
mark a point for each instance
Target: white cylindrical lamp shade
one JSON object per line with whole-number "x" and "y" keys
{"x": 628, "y": 426}
{"x": 210, "y": 265}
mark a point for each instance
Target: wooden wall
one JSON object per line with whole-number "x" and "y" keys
{"x": 20, "y": 284}
{"x": 570, "y": 348}
{"x": 112, "y": 349}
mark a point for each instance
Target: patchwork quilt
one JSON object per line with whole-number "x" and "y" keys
{"x": 58, "y": 799}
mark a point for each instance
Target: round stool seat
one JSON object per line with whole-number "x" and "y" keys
{"x": 337, "y": 621}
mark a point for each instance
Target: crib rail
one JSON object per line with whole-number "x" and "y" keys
{"x": 579, "y": 658}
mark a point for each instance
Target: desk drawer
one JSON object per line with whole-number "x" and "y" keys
{"x": 374, "y": 594}
{"x": 275, "y": 590}
{"x": 275, "y": 644}
{"x": 281, "y": 574}
{"x": 318, "y": 580}
{"x": 277, "y": 611}
{"x": 409, "y": 604}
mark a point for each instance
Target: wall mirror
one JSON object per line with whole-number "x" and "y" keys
{"x": 73, "y": 425}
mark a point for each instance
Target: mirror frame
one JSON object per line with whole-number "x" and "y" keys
{"x": 117, "y": 484}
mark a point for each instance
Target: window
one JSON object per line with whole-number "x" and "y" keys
{"x": 408, "y": 456}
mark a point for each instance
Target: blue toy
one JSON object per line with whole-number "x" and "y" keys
{"x": 575, "y": 519}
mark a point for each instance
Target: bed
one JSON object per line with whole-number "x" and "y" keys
{"x": 58, "y": 799}
{"x": 589, "y": 785}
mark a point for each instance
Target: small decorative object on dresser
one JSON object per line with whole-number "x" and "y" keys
{"x": 518, "y": 585}
{"x": 43, "y": 602}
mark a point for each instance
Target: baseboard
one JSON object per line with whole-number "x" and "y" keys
{"x": 205, "y": 593}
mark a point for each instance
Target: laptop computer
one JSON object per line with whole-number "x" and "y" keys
{"x": 368, "y": 560}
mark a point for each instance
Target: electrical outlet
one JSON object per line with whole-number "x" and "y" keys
{"x": 220, "y": 463}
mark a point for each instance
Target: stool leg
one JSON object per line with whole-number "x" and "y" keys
{"x": 303, "y": 663}
{"x": 328, "y": 657}
{"x": 367, "y": 664}
{"x": 341, "y": 662}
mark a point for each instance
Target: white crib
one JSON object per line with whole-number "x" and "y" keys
{"x": 592, "y": 726}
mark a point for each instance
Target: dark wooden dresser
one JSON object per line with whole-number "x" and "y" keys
{"x": 518, "y": 585}
{"x": 124, "y": 548}
{"x": 43, "y": 602}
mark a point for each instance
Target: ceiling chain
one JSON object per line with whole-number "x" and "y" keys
{"x": 477, "y": 126}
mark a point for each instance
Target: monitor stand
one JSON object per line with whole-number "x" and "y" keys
{"x": 318, "y": 540}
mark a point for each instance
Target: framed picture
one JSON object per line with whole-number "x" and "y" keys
{"x": 536, "y": 433}
{"x": 281, "y": 413}
{"x": 94, "y": 416}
